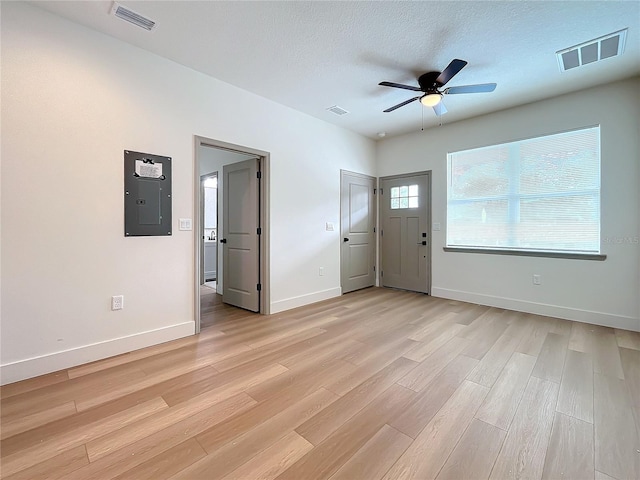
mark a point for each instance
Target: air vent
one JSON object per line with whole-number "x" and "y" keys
{"x": 337, "y": 110}
{"x": 592, "y": 51}
{"x": 132, "y": 17}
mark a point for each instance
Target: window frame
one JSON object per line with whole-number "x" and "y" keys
{"x": 511, "y": 195}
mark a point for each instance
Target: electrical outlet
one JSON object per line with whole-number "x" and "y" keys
{"x": 321, "y": 271}
{"x": 117, "y": 302}
{"x": 537, "y": 279}
{"x": 329, "y": 227}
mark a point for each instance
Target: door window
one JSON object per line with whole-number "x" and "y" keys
{"x": 405, "y": 196}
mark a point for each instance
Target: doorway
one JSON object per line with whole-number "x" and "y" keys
{"x": 405, "y": 232}
{"x": 232, "y": 205}
{"x": 209, "y": 229}
{"x": 357, "y": 231}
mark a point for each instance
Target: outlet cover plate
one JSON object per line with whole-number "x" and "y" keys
{"x": 117, "y": 302}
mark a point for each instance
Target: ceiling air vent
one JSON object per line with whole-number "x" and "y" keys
{"x": 337, "y": 110}
{"x": 594, "y": 50}
{"x": 130, "y": 16}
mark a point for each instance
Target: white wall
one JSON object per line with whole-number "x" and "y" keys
{"x": 72, "y": 101}
{"x": 606, "y": 292}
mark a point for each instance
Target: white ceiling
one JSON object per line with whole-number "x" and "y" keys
{"x": 311, "y": 55}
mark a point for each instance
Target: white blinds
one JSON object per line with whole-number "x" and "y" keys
{"x": 540, "y": 194}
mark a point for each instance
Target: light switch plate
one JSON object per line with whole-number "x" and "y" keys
{"x": 436, "y": 227}
{"x": 329, "y": 227}
{"x": 185, "y": 224}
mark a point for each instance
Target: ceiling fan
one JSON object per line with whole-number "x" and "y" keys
{"x": 431, "y": 83}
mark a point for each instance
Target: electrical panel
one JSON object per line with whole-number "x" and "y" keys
{"x": 147, "y": 194}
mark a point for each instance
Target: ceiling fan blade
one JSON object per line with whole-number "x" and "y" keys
{"x": 479, "y": 88}
{"x": 452, "y": 70}
{"x": 399, "y": 85}
{"x": 391, "y": 109}
{"x": 440, "y": 109}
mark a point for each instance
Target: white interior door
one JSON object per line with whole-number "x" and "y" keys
{"x": 405, "y": 233}
{"x": 357, "y": 231}
{"x": 241, "y": 242}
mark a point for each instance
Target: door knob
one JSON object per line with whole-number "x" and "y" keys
{"x": 224, "y": 240}
{"x": 345, "y": 239}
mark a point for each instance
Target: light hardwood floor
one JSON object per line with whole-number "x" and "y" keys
{"x": 376, "y": 384}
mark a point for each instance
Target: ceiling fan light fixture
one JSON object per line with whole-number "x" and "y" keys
{"x": 431, "y": 99}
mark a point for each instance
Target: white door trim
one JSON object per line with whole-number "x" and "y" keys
{"x": 265, "y": 293}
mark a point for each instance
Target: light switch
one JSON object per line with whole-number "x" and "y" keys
{"x": 329, "y": 227}
{"x": 436, "y": 227}
{"x": 185, "y": 224}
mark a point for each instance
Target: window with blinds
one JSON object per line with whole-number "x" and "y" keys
{"x": 540, "y": 195}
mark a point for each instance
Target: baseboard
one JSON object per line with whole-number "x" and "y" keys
{"x": 585, "y": 316}
{"x": 32, "y": 367}
{"x": 302, "y": 300}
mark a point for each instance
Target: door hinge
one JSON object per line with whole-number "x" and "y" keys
{"x": 375, "y": 190}
{"x": 374, "y": 268}
{"x": 259, "y": 174}
{"x": 374, "y": 229}
{"x": 382, "y": 233}
{"x": 381, "y": 192}
{"x": 259, "y": 287}
{"x": 259, "y": 231}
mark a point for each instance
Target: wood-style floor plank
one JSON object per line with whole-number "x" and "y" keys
{"x": 323, "y": 424}
{"x": 21, "y": 424}
{"x": 427, "y": 403}
{"x": 55, "y": 467}
{"x": 224, "y": 460}
{"x": 504, "y": 397}
{"x": 551, "y": 359}
{"x": 570, "y": 452}
{"x": 576, "y": 388}
{"x": 376, "y": 456}
{"x": 428, "y": 453}
{"x": 274, "y": 460}
{"x": 616, "y": 437}
{"x": 155, "y": 445}
{"x": 627, "y": 339}
{"x": 373, "y": 384}
{"x": 524, "y": 450}
{"x": 41, "y": 449}
{"x": 631, "y": 366}
{"x": 425, "y": 372}
{"x": 167, "y": 463}
{"x": 328, "y": 456}
{"x": 473, "y": 457}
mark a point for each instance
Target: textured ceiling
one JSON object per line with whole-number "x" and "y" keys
{"x": 314, "y": 54}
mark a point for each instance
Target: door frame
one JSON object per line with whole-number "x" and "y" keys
{"x": 375, "y": 222}
{"x": 429, "y": 225}
{"x": 203, "y": 178}
{"x": 263, "y": 194}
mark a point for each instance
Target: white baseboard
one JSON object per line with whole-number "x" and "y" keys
{"x": 585, "y": 316}
{"x": 32, "y": 367}
{"x": 302, "y": 300}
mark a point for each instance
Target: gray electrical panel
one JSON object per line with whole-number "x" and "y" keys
{"x": 147, "y": 194}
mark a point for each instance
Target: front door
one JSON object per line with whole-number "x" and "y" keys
{"x": 357, "y": 231}
{"x": 241, "y": 242}
{"x": 405, "y": 233}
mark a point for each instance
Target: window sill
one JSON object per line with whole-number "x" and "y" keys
{"x": 528, "y": 253}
